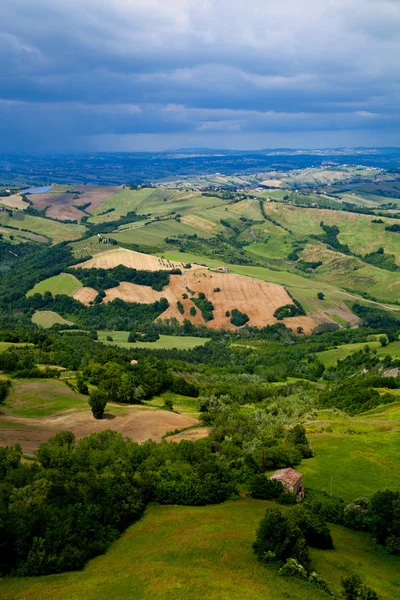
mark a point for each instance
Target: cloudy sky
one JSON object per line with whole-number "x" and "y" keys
{"x": 78, "y": 75}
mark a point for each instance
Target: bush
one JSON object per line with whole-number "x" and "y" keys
{"x": 238, "y": 318}
{"x": 277, "y": 535}
{"x": 292, "y": 568}
{"x": 264, "y": 488}
{"x": 97, "y": 403}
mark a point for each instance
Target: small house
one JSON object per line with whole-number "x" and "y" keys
{"x": 291, "y": 480}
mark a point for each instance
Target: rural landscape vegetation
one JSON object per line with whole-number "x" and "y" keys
{"x": 165, "y": 347}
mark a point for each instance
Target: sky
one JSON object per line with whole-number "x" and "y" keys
{"x": 134, "y": 75}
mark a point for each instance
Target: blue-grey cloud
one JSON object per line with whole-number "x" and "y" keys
{"x": 87, "y": 73}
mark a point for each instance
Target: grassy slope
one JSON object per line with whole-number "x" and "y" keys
{"x": 33, "y": 398}
{"x": 120, "y": 338}
{"x": 47, "y": 318}
{"x": 330, "y": 357}
{"x": 187, "y": 553}
{"x": 356, "y": 230}
{"x": 361, "y": 453}
{"x": 60, "y": 284}
{"x": 154, "y": 234}
{"x": 124, "y": 201}
{"x": 54, "y": 230}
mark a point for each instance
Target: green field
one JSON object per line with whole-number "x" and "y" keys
{"x": 358, "y": 454}
{"x": 330, "y": 357}
{"x": 154, "y": 234}
{"x": 7, "y": 345}
{"x": 124, "y": 201}
{"x": 187, "y": 553}
{"x": 47, "y": 318}
{"x": 64, "y": 283}
{"x": 35, "y": 398}
{"x": 53, "y": 230}
{"x": 120, "y": 338}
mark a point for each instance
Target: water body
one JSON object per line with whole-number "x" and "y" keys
{"x": 38, "y": 190}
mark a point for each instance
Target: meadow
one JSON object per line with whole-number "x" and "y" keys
{"x": 120, "y": 338}
{"x": 36, "y": 398}
{"x": 186, "y": 553}
{"x": 52, "y": 230}
{"x": 64, "y": 283}
{"x": 357, "y": 456}
{"x": 155, "y": 233}
{"x": 47, "y": 318}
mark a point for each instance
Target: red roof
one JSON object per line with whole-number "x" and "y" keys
{"x": 289, "y": 476}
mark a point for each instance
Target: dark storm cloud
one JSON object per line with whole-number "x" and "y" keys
{"x": 83, "y": 72}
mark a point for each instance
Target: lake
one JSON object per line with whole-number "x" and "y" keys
{"x": 38, "y": 190}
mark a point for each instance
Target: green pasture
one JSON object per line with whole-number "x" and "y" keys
{"x": 89, "y": 247}
{"x": 358, "y": 455}
{"x": 47, "y": 318}
{"x": 182, "y": 404}
{"x": 35, "y": 398}
{"x": 64, "y": 283}
{"x": 330, "y": 357}
{"x": 166, "y": 201}
{"x": 187, "y": 553}
{"x": 53, "y": 230}
{"x": 7, "y": 345}
{"x": 123, "y": 201}
{"x": 356, "y": 230}
{"x": 155, "y": 233}
{"x": 21, "y": 237}
{"x": 120, "y": 338}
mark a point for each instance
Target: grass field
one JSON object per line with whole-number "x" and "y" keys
{"x": 47, "y": 318}
{"x": 187, "y": 553}
{"x": 359, "y": 453}
{"x": 154, "y": 234}
{"x": 53, "y": 230}
{"x": 120, "y": 338}
{"x": 124, "y": 201}
{"x": 7, "y": 345}
{"x": 35, "y": 398}
{"x": 64, "y": 283}
{"x": 330, "y": 357}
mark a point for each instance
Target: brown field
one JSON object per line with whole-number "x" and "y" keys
{"x": 137, "y": 423}
{"x": 85, "y": 295}
{"x": 129, "y": 258}
{"x": 258, "y": 299}
{"x": 131, "y": 292}
{"x": 64, "y": 206}
{"x": 13, "y": 201}
{"x": 272, "y": 183}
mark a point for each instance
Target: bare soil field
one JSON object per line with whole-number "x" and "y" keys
{"x": 86, "y": 295}
{"x": 65, "y": 205}
{"x": 258, "y": 299}
{"x": 129, "y": 258}
{"x": 254, "y": 297}
{"x": 131, "y": 292}
{"x": 138, "y": 423}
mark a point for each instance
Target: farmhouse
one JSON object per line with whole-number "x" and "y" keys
{"x": 291, "y": 480}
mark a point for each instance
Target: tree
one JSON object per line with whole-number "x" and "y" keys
{"x": 355, "y": 589}
{"x": 98, "y": 403}
{"x": 320, "y": 295}
{"x": 383, "y": 340}
{"x": 278, "y": 539}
